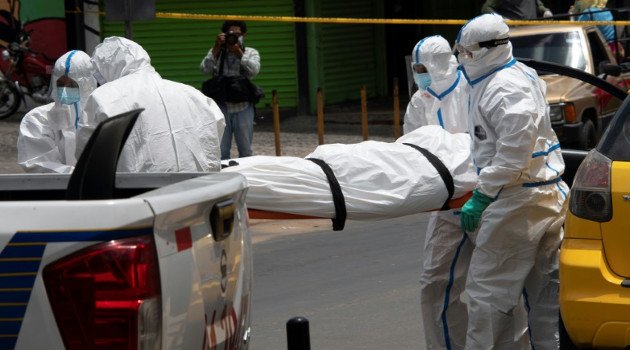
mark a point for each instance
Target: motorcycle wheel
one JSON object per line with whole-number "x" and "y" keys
{"x": 9, "y": 99}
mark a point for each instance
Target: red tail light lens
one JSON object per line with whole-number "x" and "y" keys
{"x": 590, "y": 197}
{"x": 107, "y": 296}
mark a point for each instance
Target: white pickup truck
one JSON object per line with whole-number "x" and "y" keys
{"x": 99, "y": 260}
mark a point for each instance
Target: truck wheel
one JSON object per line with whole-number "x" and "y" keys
{"x": 588, "y": 136}
{"x": 9, "y": 99}
{"x": 565, "y": 341}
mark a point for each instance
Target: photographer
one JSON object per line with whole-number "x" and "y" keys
{"x": 229, "y": 58}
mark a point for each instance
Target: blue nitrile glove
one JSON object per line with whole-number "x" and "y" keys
{"x": 471, "y": 211}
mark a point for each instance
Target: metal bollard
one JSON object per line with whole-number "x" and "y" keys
{"x": 276, "y": 121}
{"x": 298, "y": 337}
{"x": 364, "y": 114}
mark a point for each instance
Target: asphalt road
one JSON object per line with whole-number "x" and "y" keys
{"x": 358, "y": 288}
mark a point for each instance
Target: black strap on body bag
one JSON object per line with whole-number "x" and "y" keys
{"x": 338, "y": 199}
{"x": 441, "y": 169}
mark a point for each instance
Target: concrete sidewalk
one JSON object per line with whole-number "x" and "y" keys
{"x": 342, "y": 124}
{"x": 337, "y": 118}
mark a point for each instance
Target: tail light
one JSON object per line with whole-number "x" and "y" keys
{"x": 590, "y": 194}
{"x": 107, "y": 296}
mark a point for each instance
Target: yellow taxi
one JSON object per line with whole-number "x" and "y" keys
{"x": 595, "y": 253}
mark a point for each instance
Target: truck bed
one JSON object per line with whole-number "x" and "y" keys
{"x": 19, "y": 187}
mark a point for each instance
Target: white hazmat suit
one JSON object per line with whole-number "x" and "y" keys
{"x": 444, "y": 102}
{"x": 180, "y": 128}
{"x": 446, "y": 248}
{"x": 519, "y": 163}
{"x": 46, "y": 141}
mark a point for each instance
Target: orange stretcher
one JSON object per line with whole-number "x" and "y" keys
{"x": 274, "y": 215}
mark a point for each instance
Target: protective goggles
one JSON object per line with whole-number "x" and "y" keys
{"x": 477, "y": 46}
{"x": 418, "y": 67}
{"x": 100, "y": 79}
{"x": 65, "y": 81}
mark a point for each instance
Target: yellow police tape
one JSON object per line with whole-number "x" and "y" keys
{"x": 209, "y": 17}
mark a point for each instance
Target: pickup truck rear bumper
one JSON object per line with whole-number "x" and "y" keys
{"x": 568, "y": 133}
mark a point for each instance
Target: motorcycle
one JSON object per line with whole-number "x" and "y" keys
{"x": 26, "y": 73}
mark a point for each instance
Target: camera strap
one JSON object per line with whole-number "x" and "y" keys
{"x": 222, "y": 54}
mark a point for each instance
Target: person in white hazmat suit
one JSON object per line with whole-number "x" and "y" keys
{"x": 46, "y": 140}
{"x": 515, "y": 215}
{"x": 441, "y": 99}
{"x": 442, "y": 95}
{"x": 180, "y": 128}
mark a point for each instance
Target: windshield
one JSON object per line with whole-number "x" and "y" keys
{"x": 616, "y": 140}
{"x": 561, "y": 48}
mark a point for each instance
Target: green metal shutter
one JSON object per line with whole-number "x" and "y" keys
{"x": 351, "y": 55}
{"x": 177, "y": 46}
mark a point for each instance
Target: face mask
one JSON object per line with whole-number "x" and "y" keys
{"x": 68, "y": 95}
{"x": 423, "y": 80}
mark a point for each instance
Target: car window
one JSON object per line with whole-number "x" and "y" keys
{"x": 597, "y": 50}
{"x": 616, "y": 140}
{"x": 561, "y": 48}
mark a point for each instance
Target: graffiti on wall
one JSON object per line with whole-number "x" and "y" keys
{"x": 44, "y": 20}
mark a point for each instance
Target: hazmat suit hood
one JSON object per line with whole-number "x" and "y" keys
{"x": 117, "y": 57}
{"x": 477, "y": 60}
{"x": 75, "y": 65}
{"x": 180, "y": 128}
{"x": 435, "y": 54}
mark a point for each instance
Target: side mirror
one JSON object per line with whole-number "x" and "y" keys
{"x": 609, "y": 69}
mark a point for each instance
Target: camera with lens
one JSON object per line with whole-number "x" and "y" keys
{"x": 231, "y": 38}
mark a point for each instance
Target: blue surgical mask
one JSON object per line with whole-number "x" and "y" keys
{"x": 423, "y": 80}
{"x": 68, "y": 95}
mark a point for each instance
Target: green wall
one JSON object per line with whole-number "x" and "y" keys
{"x": 177, "y": 46}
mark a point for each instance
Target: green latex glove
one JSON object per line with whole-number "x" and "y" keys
{"x": 471, "y": 211}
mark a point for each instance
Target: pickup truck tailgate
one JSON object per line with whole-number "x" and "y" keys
{"x": 214, "y": 267}
{"x": 204, "y": 275}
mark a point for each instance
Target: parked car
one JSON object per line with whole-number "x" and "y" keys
{"x": 594, "y": 259}
{"x": 579, "y": 112}
{"x": 99, "y": 260}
